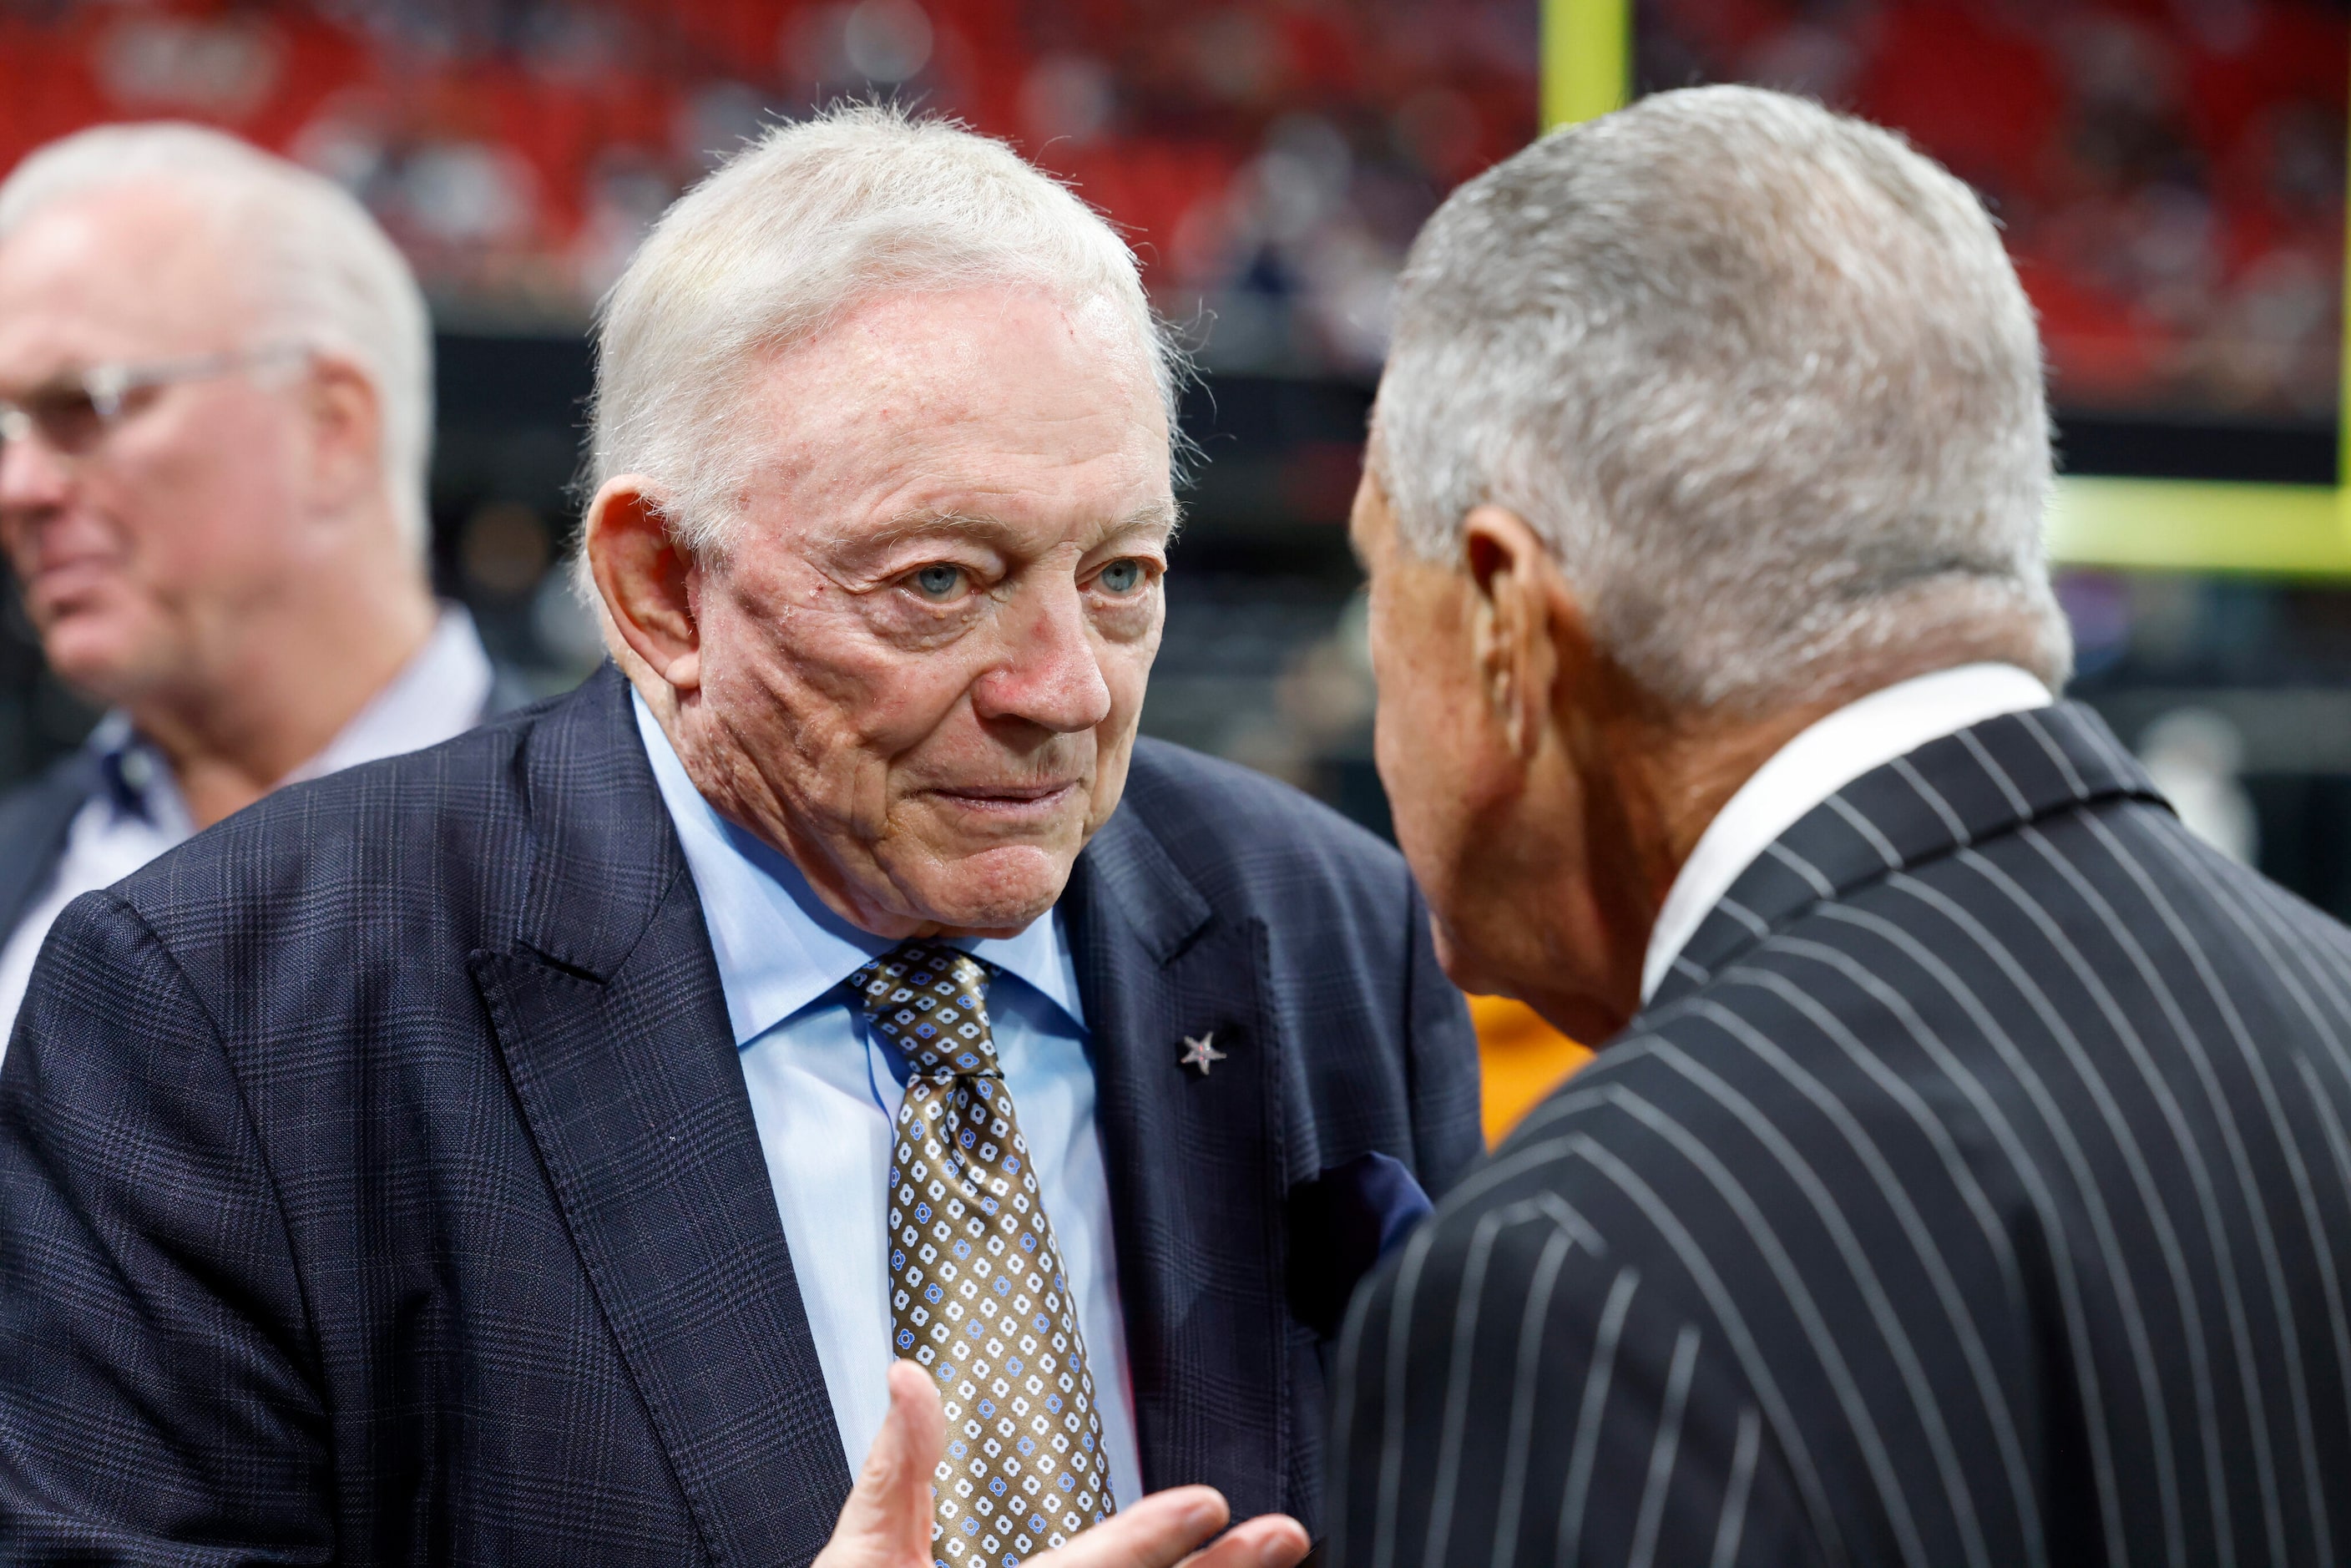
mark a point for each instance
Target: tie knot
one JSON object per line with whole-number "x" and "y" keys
{"x": 931, "y": 1002}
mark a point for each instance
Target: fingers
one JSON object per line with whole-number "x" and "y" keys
{"x": 886, "y": 1523}
{"x": 1162, "y": 1530}
{"x": 918, "y": 1426}
{"x": 1158, "y": 1531}
{"x": 1269, "y": 1541}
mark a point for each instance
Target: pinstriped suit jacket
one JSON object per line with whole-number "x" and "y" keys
{"x": 1976, "y": 1191}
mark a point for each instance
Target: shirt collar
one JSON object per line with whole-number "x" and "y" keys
{"x": 437, "y": 695}
{"x": 138, "y": 782}
{"x": 779, "y": 947}
{"x": 1822, "y": 759}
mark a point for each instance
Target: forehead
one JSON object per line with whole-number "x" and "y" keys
{"x": 136, "y": 272}
{"x": 1002, "y": 400}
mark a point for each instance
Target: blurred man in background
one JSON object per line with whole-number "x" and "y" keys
{"x": 215, "y": 410}
{"x": 1969, "y": 1181}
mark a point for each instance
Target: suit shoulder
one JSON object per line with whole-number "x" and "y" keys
{"x": 1706, "y": 1123}
{"x": 1216, "y": 818}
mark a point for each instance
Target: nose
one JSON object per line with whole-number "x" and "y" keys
{"x": 1048, "y": 675}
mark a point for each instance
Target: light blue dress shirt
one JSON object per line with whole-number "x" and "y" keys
{"x": 825, "y": 1095}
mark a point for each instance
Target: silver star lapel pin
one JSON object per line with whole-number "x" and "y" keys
{"x": 1201, "y": 1053}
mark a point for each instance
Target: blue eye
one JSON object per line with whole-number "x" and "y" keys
{"x": 1122, "y": 576}
{"x": 939, "y": 581}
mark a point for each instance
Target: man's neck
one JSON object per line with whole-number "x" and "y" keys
{"x": 1694, "y": 772}
{"x": 289, "y": 688}
{"x": 1687, "y": 774}
{"x": 1697, "y": 762}
{"x": 1659, "y": 779}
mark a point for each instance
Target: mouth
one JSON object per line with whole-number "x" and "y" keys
{"x": 1008, "y": 803}
{"x": 57, "y": 585}
{"x": 65, "y": 568}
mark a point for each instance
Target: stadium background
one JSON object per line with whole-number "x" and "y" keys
{"x": 2170, "y": 174}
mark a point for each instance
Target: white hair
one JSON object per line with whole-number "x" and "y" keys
{"x": 1761, "y": 376}
{"x": 805, "y": 223}
{"x": 324, "y": 275}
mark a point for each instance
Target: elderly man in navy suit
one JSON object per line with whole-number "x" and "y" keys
{"x": 541, "y": 1148}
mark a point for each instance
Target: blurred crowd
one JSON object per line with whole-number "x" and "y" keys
{"x": 1271, "y": 160}
{"x": 2168, "y": 172}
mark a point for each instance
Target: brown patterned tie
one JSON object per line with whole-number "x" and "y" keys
{"x": 977, "y": 1294}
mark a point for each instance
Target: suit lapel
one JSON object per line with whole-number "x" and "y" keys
{"x": 613, "y": 1028}
{"x": 1990, "y": 779}
{"x": 1194, "y": 1163}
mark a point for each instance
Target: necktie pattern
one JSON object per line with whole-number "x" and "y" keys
{"x": 977, "y": 1294}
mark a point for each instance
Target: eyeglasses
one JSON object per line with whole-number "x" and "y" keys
{"x": 74, "y": 412}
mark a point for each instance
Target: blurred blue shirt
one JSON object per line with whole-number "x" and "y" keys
{"x": 825, "y": 1094}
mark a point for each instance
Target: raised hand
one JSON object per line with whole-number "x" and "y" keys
{"x": 886, "y": 1523}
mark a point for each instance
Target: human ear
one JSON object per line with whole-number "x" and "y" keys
{"x": 346, "y": 421}
{"x": 1515, "y": 585}
{"x": 644, "y": 579}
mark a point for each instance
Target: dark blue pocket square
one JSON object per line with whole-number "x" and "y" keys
{"x": 1340, "y": 1224}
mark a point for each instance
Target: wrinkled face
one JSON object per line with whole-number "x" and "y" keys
{"x": 923, "y": 652}
{"x": 138, "y": 557}
{"x": 1512, "y": 753}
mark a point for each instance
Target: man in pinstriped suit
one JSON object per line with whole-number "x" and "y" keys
{"x": 1967, "y": 1180}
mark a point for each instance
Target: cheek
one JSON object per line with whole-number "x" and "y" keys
{"x": 185, "y": 516}
{"x": 1125, "y": 664}
{"x": 810, "y": 681}
{"x": 1424, "y": 753}
{"x": 1126, "y": 671}
{"x": 1409, "y": 752}
{"x": 764, "y": 673}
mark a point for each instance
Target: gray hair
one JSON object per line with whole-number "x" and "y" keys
{"x": 1761, "y": 376}
{"x": 324, "y": 276}
{"x": 810, "y": 220}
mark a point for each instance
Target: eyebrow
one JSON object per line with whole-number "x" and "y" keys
{"x": 1162, "y": 515}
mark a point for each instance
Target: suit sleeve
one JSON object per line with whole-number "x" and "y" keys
{"x": 158, "y": 1391}
{"x": 1448, "y": 1130}
{"x": 1507, "y": 1394}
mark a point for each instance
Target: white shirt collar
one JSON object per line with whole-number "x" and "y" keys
{"x": 779, "y": 947}
{"x": 1822, "y": 759}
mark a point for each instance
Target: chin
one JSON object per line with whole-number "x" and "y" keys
{"x": 994, "y": 890}
{"x": 1463, "y": 968}
{"x": 98, "y": 660}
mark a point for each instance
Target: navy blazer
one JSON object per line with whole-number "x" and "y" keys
{"x": 378, "y": 1182}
